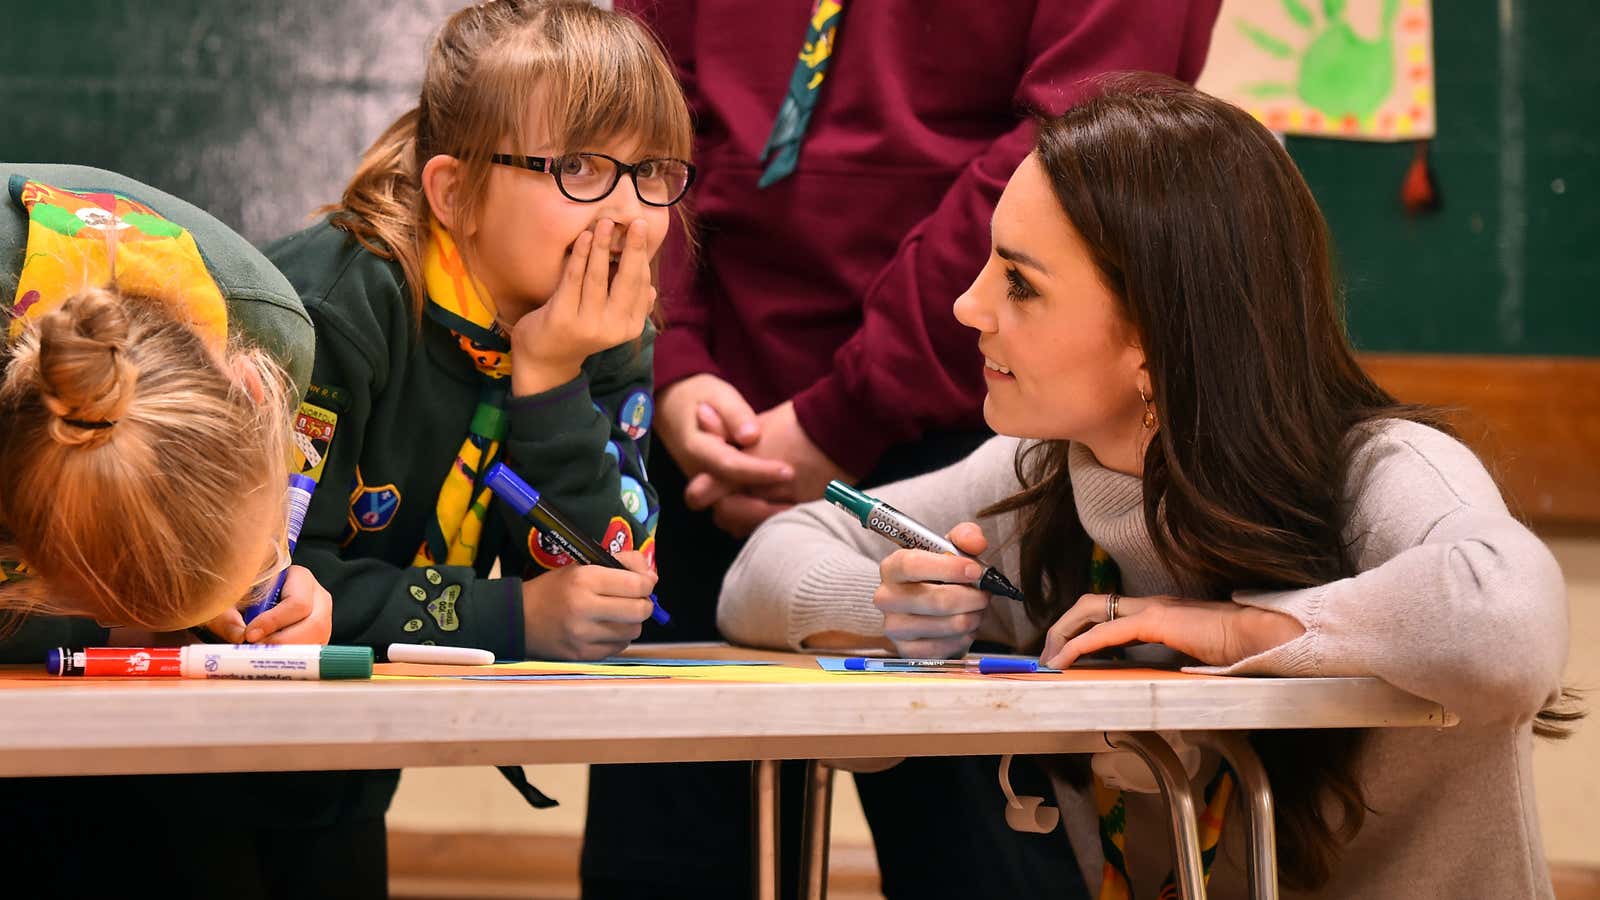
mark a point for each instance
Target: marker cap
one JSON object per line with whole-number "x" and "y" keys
{"x": 435, "y": 654}
{"x": 335, "y": 663}
{"x": 990, "y": 665}
{"x": 56, "y": 660}
{"x": 848, "y": 498}
{"x": 508, "y": 486}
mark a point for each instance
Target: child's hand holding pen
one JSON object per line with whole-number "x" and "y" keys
{"x": 930, "y": 608}
{"x": 587, "y": 611}
{"x": 303, "y": 615}
{"x": 602, "y": 301}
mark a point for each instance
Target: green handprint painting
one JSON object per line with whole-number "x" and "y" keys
{"x": 1341, "y": 72}
{"x": 1353, "y": 68}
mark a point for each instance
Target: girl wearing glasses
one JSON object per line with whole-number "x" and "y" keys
{"x": 482, "y": 293}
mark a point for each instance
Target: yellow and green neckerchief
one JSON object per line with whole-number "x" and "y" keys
{"x": 794, "y": 116}
{"x": 1104, "y": 577}
{"x": 459, "y": 303}
{"x": 87, "y": 239}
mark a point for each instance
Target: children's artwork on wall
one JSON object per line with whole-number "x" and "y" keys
{"x": 1356, "y": 69}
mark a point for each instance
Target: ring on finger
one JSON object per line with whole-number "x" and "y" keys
{"x": 1111, "y": 606}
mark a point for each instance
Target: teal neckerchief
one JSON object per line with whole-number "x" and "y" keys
{"x": 809, "y": 71}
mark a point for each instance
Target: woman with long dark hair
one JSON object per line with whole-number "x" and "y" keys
{"x": 1190, "y": 456}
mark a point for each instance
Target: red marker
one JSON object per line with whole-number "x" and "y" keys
{"x": 278, "y": 662}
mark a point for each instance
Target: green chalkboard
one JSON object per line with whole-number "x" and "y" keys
{"x": 1509, "y": 264}
{"x": 258, "y": 110}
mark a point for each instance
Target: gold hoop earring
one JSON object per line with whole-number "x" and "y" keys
{"x": 1149, "y": 410}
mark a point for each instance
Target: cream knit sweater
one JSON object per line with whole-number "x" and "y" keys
{"x": 1455, "y": 602}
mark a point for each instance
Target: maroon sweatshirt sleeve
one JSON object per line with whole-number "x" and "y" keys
{"x": 911, "y": 367}
{"x": 681, "y": 347}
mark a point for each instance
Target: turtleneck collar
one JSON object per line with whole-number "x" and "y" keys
{"x": 1111, "y": 508}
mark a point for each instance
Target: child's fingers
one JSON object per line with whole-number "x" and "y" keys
{"x": 310, "y": 630}
{"x": 229, "y": 626}
{"x": 601, "y": 632}
{"x": 300, "y": 601}
{"x": 569, "y": 292}
{"x": 633, "y": 274}
{"x": 636, "y": 562}
{"x": 600, "y": 650}
{"x": 597, "y": 274}
{"x": 607, "y": 610}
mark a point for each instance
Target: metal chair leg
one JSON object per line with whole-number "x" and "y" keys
{"x": 1257, "y": 797}
{"x": 818, "y": 827}
{"x": 1179, "y": 797}
{"x": 764, "y": 813}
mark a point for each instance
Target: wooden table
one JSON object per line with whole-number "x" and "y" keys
{"x": 80, "y": 727}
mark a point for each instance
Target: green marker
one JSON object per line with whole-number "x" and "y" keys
{"x": 909, "y": 533}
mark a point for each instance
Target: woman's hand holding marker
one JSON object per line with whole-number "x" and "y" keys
{"x": 930, "y": 608}
{"x": 591, "y": 310}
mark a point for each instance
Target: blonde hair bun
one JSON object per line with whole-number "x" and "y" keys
{"x": 85, "y": 377}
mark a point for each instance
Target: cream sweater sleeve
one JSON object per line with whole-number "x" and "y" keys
{"x": 1455, "y": 600}
{"x": 814, "y": 568}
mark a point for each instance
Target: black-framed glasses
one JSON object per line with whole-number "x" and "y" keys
{"x": 591, "y": 177}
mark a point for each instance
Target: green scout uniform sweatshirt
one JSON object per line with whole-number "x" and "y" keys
{"x": 262, "y": 307}
{"x": 388, "y": 410}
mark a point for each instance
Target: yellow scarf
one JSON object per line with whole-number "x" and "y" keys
{"x": 458, "y": 302}
{"x": 80, "y": 240}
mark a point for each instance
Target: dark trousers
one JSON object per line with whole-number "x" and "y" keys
{"x": 683, "y": 830}
{"x": 240, "y": 836}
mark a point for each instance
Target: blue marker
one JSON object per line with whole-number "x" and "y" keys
{"x": 985, "y": 665}
{"x": 300, "y": 489}
{"x": 555, "y": 528}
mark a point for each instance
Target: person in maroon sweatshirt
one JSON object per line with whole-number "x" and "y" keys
{"x": 811, "y": 337}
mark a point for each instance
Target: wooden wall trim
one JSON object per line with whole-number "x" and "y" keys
{"x": 480, "y": 866}
{"x": 1535, "y": 421}
{"x": 426, "y": 865}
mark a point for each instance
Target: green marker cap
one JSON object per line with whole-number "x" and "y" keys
{"x": 850, "y": 500}
{"x": 336, "y": 663}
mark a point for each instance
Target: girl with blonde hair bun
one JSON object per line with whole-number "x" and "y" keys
{"x": 149, "y": 375}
